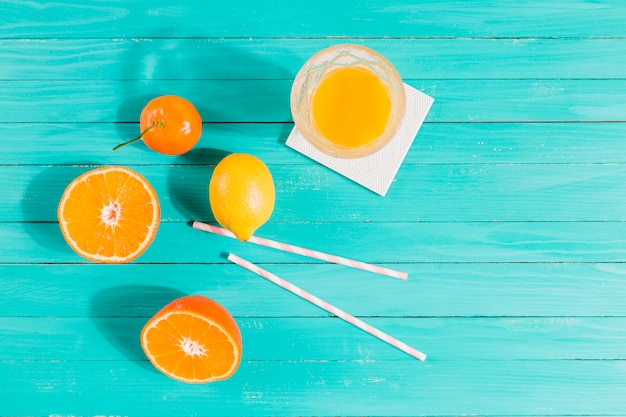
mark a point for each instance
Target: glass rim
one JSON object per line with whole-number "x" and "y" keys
{"x": 302, "y": 92}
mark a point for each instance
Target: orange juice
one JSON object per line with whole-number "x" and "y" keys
{"x": 351, "y": 107}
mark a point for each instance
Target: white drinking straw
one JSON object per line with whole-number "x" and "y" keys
{"x": 304, "y": 251}
{"x": 326, "y": 306}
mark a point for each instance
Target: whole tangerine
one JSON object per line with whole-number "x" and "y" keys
{"x": 169, "y": 124}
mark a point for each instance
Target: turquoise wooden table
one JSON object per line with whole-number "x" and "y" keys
{"x": 508, "y": 211}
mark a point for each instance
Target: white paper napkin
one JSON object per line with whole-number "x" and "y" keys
{"x": 378, "y": 170}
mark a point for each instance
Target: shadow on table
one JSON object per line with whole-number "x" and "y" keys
{"x": 188, "y": 182}
{"x": 119, "y": 313}
{"x": 40, "y": 203}
{"x": 214, "y": 75}
{"x": 284, "y": 133}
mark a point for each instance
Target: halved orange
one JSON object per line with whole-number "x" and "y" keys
{"x": 193, "y": 339}
{"x": 109, "y": 215}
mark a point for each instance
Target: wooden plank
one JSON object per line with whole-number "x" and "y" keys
{"x": 511, "y": 143}
{"x": 515, "y": 143}
{"x": 503, "y": 388}
{"x": 331, "y": 339}
{"x": 371, "y": 242}
{"x": 432, "y": 290}
{"x": 578, "y": 18}
{"x": 436, "y": 143}
{"x": 51, "y": 143}
{"x": 104, "y": 101}
{"x": 199, "y": 58}
{"x": 314, "y": 193}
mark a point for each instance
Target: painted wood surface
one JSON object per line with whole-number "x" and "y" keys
{"x": 324, "y": 18}
{"x": 508, "y": 212}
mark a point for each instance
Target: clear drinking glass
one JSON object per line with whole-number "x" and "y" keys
{"x": 320, "y": 65}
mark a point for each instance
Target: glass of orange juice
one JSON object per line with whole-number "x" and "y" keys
{"x": 347, "y": 101}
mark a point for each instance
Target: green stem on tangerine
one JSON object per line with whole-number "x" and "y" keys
{"x": 157, "y": 123}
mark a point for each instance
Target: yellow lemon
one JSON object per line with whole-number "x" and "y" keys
{"x": 241, "y": 194}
